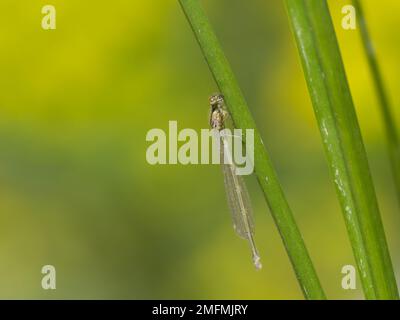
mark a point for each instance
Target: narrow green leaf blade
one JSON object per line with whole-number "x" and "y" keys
{"x": 338, "y": 124}
{"x": 392, "y": 136}
{"x": 265, "y": 172}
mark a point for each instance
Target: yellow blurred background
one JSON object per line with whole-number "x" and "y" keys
{"x": 76, "y": 191}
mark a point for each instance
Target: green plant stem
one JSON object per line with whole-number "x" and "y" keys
{"x": 330, "y": 94}
{"x": 266, "y": 175}
{"x": 388, "y": 120}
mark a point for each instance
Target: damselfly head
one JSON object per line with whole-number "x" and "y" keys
{"x": 217, "y": 100}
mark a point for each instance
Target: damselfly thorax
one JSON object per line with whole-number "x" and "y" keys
{"x": 218, "y": 113}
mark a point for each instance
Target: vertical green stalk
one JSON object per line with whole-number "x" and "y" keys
{"x": 338, "y": 124}
{"x": 266, "y": 175}
{"x": 388, "y": 120}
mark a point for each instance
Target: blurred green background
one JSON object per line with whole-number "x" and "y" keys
{"x": 76, "y": 191}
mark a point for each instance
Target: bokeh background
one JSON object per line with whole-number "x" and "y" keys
{"x": 76, "y": 191}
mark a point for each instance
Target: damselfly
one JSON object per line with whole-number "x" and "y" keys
{"x": 236, "y": 191}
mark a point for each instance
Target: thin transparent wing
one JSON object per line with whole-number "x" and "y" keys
{"x": 238, "y": 199}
